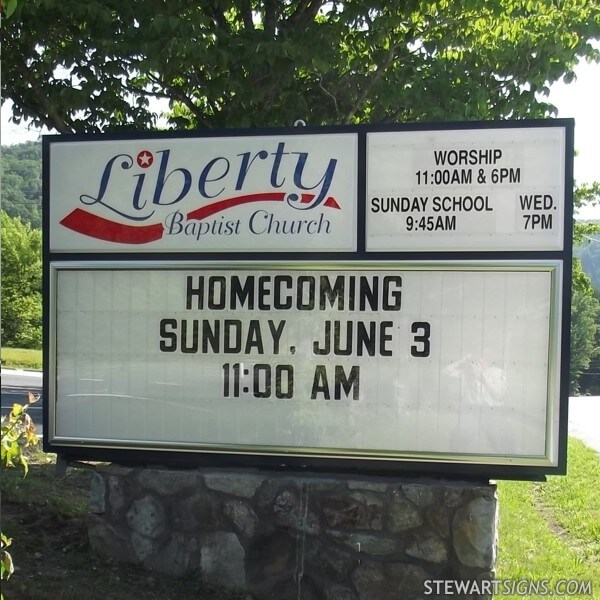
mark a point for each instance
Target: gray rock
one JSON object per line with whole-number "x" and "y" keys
{"x": 437, "y": 517}
{"x": 370, "y": 581}
{"x": 300, "y": 587}
{"x": 454, "y": 496}
{"x": 242, "y": 516}
{"x": 147, "y": 517}
{"x": 388, "y": 581}
{"x": 222, "y": 561}
{"x": 406, "y": 580}
{"x": 119, "y": 470}
{"x": 339, "y": 592}
{"x": 166, "y": 482}
{"x": 355, "y": 511}
{"x": 291, "y": 510}
{"x": 365, "y": 543}
{"x": 270, "y": 560}
{"x": 236, "y": 484}
{"x": 489, "y": 492}
{"x": 271, "y": 488}
{"x": 97, "y": 502}
{"x": 322, "y": 485}
{"x": 328, "y": 559}
{"x": 197, "y": 513}
{"x": 116, "y": 495}
{"x": 486, "y": 576}
{"x": 368, "y": 486}
{"x": 427, "y": 546}
{"x": 178, "y": 557}
{"x": 421, "y": 495}
{"x": 402, "y": 514}
{"x": 474, "y": 530}
{"x": 142, "y": 546}
{"x": 107, "y": 541}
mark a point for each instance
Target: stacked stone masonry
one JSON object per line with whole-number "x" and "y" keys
{"x": 286, "y": 536}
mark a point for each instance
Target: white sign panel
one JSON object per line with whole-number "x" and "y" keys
{"x": 209, "y": 194}
{"x": 379, "y": 360}
{"x": 466, "y": 190}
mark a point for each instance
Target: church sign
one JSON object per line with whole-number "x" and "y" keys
{"x": 385, "y": 299}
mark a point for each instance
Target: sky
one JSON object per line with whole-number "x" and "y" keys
{"x": 579, "y": 100}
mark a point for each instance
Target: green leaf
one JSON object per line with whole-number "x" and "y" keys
{"x": 9, "y": 7}
{"x": 6, "y": 565}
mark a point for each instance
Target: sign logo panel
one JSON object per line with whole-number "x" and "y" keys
{"x": 205, "y": 194}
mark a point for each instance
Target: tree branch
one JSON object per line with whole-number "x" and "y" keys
{"x": 381, "y": 69}
{"x": 218, "y": 17}
{"x": 326, "y": 91}
{"x": 48, "y": 114}
{"x": 271, "y": 16}
{"x": 306, "y": 11}
{"x": 247, "y": 14}
{"x": 176, "y": 94}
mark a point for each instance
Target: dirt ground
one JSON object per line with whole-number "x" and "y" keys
{"x": 45, "y": 515}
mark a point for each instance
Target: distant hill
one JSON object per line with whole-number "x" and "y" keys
{"x": 22, "y": 182}
{"x": 589, "y": 254}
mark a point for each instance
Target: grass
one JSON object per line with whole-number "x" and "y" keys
{"x": 22, "y": 358}
{"x": 552, "y": 530}
{"x": 65, "y": 498}
{"x": 574, "y": 502}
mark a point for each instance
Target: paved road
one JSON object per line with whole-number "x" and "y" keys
{"x": 15, "y": 388}
{"x": 584, "y": 411}
{"x": 584, "y": 420}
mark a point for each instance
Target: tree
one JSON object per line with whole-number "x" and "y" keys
{"x": 585, "y": 307}
{"x": 589, "y": 254}
{"x": 587, "y": 234}
{"x": 22, "y": 182}
{"x": 84, "y": 66}
{"x": 87, "y": 66}
{"x": 585, "y": 331}
{"x": 585, "y": 313}
{"x": 21, "y": 284}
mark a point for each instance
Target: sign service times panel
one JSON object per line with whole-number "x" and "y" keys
{"x": 390, "y": 353}
{"x": 474, "y": 190}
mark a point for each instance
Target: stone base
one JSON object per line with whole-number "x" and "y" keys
{"x": 283, "y": 535}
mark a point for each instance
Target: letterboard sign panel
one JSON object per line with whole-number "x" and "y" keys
{"x": 380, "y": 361}
{"x": 466, "y": 190}
{"x": 176, "y": 329}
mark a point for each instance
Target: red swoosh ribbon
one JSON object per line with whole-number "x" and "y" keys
{"x": 81, "y": 221}
{"x": 103, "y": 229}
{"x": 215, "y": 207}
{"x": 211, "y": 209}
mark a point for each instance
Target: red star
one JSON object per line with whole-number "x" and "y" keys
{"x": 144, "y": 159}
